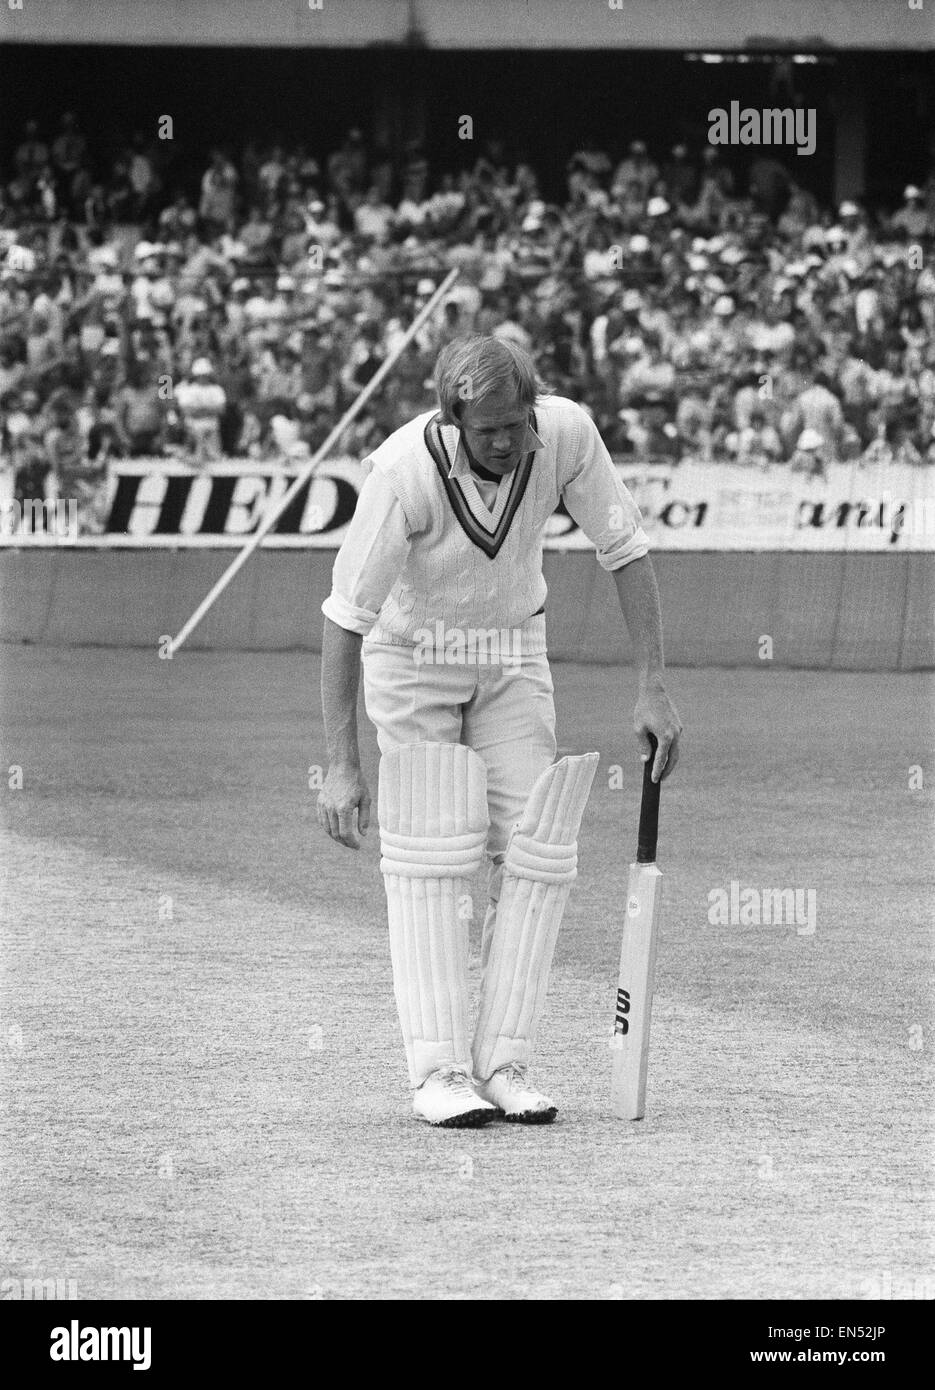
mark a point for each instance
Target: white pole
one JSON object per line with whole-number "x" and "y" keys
{"x": 353, "y": 410}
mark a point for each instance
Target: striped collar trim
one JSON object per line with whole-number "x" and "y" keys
{"x": 488, "y": 541}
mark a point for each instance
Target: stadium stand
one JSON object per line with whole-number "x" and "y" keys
{"x": 694, "y": 318}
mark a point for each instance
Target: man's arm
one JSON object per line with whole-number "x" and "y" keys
{"x": 372, "y": 555}
{"x": 597, "y": 499}
{"x": 655, "y": 713}
{"x": 344, "y": 790}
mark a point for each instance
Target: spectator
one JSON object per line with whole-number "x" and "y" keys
{"x": 817, "y": 410}
{"x": 218, "y": 191}
{"x": 637, "y": 169}
{"x": 810, "y": 456}
{"x": 32, "y": 154}
{"x": 201, "y": 403}
{"x": 12, "y": 367}
{"x": 73, "y": 476}
{"x": 140, "y": 416}
{"x": 22, "y": 441}
{"x": 913, "y": 217}
{"x": 757, "y": 443}
{"x": 69, "y": 149}
{"x": 142, "y": 176}
{"x": 373, "y": 219}
{"x": 680, "y": 177}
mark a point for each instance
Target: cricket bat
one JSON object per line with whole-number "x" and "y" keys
{"x": 630, "y": 1042}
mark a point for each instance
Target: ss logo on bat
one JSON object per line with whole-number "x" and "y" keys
{"x": 621, "y": 1022}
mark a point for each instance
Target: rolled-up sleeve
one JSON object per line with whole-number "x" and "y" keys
{"x": 598, "y": 500}
{"x": 372, "y": 556}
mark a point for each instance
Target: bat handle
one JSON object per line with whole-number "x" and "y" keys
{"x": 649, "y": 811}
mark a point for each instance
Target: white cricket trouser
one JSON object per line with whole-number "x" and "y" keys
{"x": 505, "y": 713}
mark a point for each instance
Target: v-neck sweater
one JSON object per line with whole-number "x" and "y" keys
{"x": 424, "y": 553}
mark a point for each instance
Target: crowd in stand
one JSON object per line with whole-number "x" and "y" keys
{"x": 694, "y": 318}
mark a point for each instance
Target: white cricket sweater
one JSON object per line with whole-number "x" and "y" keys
{"x": 424, "y": 555}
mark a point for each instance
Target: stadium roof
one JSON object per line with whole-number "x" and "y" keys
{"x": 716, "y": 25}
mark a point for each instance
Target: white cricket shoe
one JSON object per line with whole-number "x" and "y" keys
{"x": 508, "y": 1091}
{"x": 448, "y": 1098}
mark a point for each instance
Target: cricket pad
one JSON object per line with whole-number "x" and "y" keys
{"x": 540, "y": 866}
{"x": 433, "y": 834}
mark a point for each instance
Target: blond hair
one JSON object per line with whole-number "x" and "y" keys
{"x": 471, "y": 368}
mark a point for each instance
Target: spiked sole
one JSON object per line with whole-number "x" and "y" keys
{"x": 531, "y": 1117}
{"x": 471, "y": 1119}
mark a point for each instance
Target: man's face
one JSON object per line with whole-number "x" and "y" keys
{"x": 494, "y": 431}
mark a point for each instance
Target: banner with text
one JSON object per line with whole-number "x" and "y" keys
{"x": 685, "y": 506}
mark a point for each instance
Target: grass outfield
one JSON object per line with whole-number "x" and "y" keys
{"x": 204, "y": 1090}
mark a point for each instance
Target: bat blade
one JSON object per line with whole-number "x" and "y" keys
{"x": 633, "y": 1016}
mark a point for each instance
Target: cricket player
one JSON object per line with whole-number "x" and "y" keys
{"x": 438, "y": 591}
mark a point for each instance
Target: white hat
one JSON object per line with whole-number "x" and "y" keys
{"x": 531, "y": 224}
{"x": 835, "y": 234}
{"x": 723, "y": 305}
{"x": 285, "y": 282}
{"x": 639, "y": 244}
{"x": 632, "y": 300}
{"x": 656, "y": 207}
{"x": 202, "y": 367}
{"x": 426, "y": 287}
{"x": 240, "y": 284}
{"x": 848, "y": 209}
{"x": 145, "y": 249}
{"x": 910, "y": 191}
{"x": 813, "y": 236}
{"x": 809, "y": 439}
